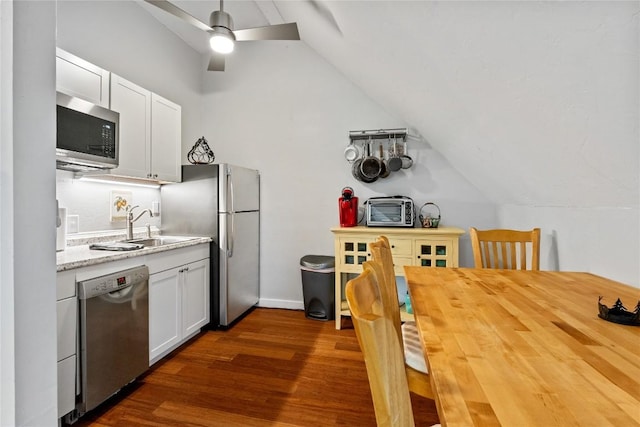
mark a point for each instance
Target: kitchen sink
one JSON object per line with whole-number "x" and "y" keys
{"x": 160, "y": 240}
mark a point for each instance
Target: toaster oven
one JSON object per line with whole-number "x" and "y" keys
{"x": 395, "y": 211}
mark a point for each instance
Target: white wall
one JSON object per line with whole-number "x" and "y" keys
{"x": 7, "y": 321}
{"x": 91, "y": 202}
{"x": 283, "y": 110}
{"x": 603, "y": 241}
{"x": 537, "y": 102}
{"x": 29, "y": 383}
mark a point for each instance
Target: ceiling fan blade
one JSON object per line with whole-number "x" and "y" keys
{"x": 176, "y": 11}
{"x": 270, "y": 32}
{"x": 216, "y": 63}
{"x": 324, "y": 11}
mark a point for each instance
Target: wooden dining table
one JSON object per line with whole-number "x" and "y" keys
{"x": 526, "y": 348}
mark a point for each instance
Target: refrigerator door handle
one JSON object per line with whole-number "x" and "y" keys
{"x": 230, "y": 240}
{"x": 232, "y": 213}
{"x": 230, "y": 192}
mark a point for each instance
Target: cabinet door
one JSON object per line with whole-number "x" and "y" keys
{"x": 77, "y": 77}
{"x": 166, "y": 139}
{"x": 165, "y": 313}
{"x": 353, "y": 252}
{"x": 435, "y": 253}
{"x": 195, "y": 296}
{"x": 134, "y": 105}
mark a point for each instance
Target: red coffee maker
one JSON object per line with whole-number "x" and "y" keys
{"x": 348, "y": 208}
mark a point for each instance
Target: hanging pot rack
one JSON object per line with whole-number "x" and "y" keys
{"x": 399, "y": 133}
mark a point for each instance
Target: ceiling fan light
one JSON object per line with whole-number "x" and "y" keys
{"x": 221, "y": 43}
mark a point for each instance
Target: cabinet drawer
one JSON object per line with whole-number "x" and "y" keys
{"x": 401, "y": 247}
{"x": 66, "y": 311}
{"x": 399, "y": 263}
{"x": 65, "y": 284}
{"x": 167, "y": 260}
{"x": 66, "y": 385}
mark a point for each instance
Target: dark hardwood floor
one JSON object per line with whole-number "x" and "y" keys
{"x": 274, "y": 368}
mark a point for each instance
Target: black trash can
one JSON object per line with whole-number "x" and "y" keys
{"x": 318, "y": 286}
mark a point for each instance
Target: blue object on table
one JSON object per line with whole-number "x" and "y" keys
{"x": 407, "y": 303}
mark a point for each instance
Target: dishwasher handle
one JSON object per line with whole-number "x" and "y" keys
{"x": 112, "y": 282}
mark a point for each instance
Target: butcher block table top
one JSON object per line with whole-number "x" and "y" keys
{"x": 526, "y": 348}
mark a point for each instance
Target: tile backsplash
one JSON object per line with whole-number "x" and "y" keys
{"x": 90, "y": 203}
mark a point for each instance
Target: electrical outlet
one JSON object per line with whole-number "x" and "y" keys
{"x": 73, "y": 224}
{"x": 155, "y": 208}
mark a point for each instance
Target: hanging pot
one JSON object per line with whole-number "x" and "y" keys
{"x": 370, "y": 166}
{"x": 356, "y": 171}
{"x": 394, "y": 163}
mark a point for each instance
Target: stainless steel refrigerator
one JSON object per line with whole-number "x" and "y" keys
{"x": 221, "y": 201}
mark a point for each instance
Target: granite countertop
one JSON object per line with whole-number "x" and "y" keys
{"x": 77, "y": 253}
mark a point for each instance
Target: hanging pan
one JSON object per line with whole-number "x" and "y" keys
{"x": 394, "y": 163}
{"x": 370, "y": 166}
{"x": 352, "y": 152}
{"x": 384, "y": 170}
{"x": 356, "y": 171}
{"x": 406, "y": 159}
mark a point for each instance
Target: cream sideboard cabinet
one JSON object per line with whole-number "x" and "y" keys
{"x": 427, "y": 247}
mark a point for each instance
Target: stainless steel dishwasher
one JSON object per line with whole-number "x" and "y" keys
{"x": 114, "y": 333}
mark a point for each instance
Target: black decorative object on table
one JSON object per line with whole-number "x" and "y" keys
{"x": 619, "y": 314}
{"x": 200, "y": 153}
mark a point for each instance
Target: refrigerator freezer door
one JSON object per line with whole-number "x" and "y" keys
{"x": 239, "y": 189}
{"x": 191, "y": 207}
{"x": 239, "y": 264}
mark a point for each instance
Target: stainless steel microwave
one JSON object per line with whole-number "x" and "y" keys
{"x": 87, "y": 135}
{"x": 395, "y": 211}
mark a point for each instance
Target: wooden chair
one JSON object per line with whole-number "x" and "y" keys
{"x": 378, "y": 339}
{"x": 506, "y": 249}
{"x": 416, "y": 366}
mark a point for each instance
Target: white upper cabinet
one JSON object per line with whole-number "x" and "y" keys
{"x": 134, "y": 105}
{"x": 166, "y": 129}
{"x": 150, "y": 132}
{"x": 79, "y": 78}
{"x": 150, "y": 125}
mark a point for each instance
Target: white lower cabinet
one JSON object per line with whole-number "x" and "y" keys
{"x": 178, "y": 306}
{"x": 67, "y": 319}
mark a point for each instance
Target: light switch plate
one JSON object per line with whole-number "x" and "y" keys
{"x": 73, "y": 224}
{"x": 155, "y": 208}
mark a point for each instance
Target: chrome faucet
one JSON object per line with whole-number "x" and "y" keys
{"x": 131, "y": 219}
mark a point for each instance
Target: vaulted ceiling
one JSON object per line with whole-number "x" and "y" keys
{"x": 535, "y": 102}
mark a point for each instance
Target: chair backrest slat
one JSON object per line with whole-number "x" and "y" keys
{"x": 383, "y": 260}
{"x": 507, "y": 249}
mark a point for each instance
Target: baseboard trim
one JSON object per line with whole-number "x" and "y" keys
{"x": 281, "y": 303}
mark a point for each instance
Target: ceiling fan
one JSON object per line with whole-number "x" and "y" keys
{"x": 223, "y": 36}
